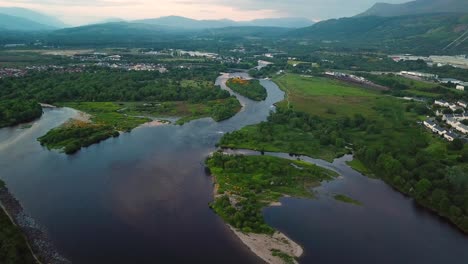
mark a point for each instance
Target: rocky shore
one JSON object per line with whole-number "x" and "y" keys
{"x": 42, "y": 247}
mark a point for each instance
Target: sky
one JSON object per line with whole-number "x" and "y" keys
{"x": 78, "y": 12}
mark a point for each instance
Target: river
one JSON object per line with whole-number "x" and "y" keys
{"x": 143, "y": 198}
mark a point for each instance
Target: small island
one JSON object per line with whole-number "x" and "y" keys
{"x": 251, "y": 89}
{"x": 244, "y": 185}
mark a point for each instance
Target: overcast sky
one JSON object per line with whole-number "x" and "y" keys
{"x": 76, "y": 12}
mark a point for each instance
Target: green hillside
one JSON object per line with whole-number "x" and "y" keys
{"x": 412, "y": 34}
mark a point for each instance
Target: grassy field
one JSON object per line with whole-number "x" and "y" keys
{"x": 326, "y": 97}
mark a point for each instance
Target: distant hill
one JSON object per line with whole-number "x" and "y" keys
{"x": 428, "y": 33}
{"x": 193, "y": 24}
{"x": 111, "y": 33}
{"x": 37, "y": 17}
{"x": 235, "y": 33}
{"x": 418, "y": 7}
{"x": 13, "y": 23}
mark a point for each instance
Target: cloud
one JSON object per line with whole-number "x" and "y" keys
{"x": 85, "y": 11}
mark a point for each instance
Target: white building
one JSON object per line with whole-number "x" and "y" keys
{"x": 441, "y": 103}
{"x": 450, "y": 136}
{"x": 462, "y": 104}
{"x": 460, "y": 87}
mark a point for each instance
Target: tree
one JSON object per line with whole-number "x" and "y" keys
{"x": 422, "y": 188}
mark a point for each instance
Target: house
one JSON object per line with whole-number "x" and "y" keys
{"x": 460, "y": 87}
{"x": 453, "y": 107}
{"x": 429, "y": 124}
{"x": 441, "y": 103}
{"x": 450, "y": 80}
{"x": 439, "y": 130}
{"x": 462, "y": 104}
{"x": 461, "y": 127}
{"x": 450, "y": 136}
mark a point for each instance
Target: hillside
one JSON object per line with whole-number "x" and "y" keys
{"x": 417, "y": 7}
{"x": 423, "y": 33}
{"x": 32, "y": 15}
{"x": 110, "y": 33}
{"x": 13, "y": 23}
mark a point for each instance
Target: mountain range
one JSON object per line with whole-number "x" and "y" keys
{"x": 417, "y": 7}
{"x": 418, "y": 25}
{"x": 193, "y": 24}
{"x": 35, "y": 18}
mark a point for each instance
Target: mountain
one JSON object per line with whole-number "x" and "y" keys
{"x": 425, "y": 33}
{"x": 111, "y": 33}
{"x": 417, "y": 7}
{"x": 287, "y": 22}
{"x": 193, "y": 24}
{"x": 13, "y": 23}
{"x": 37, "y": 17}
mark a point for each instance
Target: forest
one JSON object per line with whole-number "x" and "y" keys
{"x": 17, "y": 111}
{"x": 391, "y": 146}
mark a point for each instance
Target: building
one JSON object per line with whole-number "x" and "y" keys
{"x": 441, "y": 103}
{"x": 419, "y": 74}
{"x": 450, "y": 80}
{"x": 462, "y": 104}
{"x": 429, "y": 124}
{"x": 450, "y": 136}
{"x": 460, "y": 87}
{"x": 461, "y": 127}
{"x": 439, "y": 130}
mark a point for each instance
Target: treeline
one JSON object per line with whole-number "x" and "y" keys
{"x": 115, "y": 85}
{"x": 400, "y": 88}
{"x": 392, "y": 146}
{"x": 251, "y": 89}
{"x": 16, "y": 111}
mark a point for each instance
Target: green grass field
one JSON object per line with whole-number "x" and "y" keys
{"x": 326, "y": 97}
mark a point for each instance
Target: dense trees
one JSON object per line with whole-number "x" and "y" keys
{"x": 194, "y": 85}
{"x": 251, "y": 89}
{"x": 391, "y": 146}
{"x": 17, "y": 111}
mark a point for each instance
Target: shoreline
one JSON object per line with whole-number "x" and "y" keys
{"x": 262, "y": 245}
{"x": 40, "y": 245}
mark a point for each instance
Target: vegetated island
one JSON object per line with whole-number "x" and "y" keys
{"x": 246, "y": 184}
{"x": 346, "y": 199}
{"x": 251, "y": 89}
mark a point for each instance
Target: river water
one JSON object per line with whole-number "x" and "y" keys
{"x": 143, "y": 198}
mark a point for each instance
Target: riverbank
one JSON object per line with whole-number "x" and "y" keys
{"x": 270, "y": 247}
{"x": 37, "y": 242}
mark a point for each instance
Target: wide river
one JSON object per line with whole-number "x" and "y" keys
{"x": 143, "y": 198}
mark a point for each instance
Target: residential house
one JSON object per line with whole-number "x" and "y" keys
{"x": 450, "y": 136}
{"x": 462, "y": 104}
{"x": 441, "y": 103}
